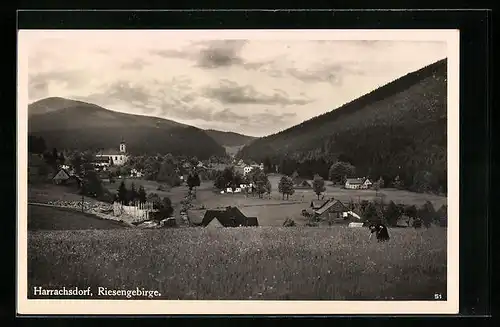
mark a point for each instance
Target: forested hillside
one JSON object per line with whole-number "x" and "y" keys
{"x": 69, "y": 124}
{"x": 397, "y": 130}
{"x": 229, "y": 139}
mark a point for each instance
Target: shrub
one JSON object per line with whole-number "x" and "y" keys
{"x": 106, "y": 196}
{"x": 289, "y": 222}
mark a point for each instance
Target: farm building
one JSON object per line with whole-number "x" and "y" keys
{"x": 357, "y": 183}
{"x": 335, "y": 211}
{"x": 317, "y": 204}
{"x": 60, "y": 177}
{"x": 63, "y": 177}
{"x": 230, "y": 217}
{"x": 302, "y": 184}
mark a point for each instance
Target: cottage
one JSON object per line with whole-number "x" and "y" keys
{"x": 61, "y": 177}
{"x": 117, "y": 158}
{"x": 230, "y": 217}
{"x": 247, "y": 170}
{"x": 333, "y": 211}
{"x": 354, "y": 183}
{"x": 366, "y": 184}
{"x": 317, "y": 204}
{"x": 101, "y": 163}
{"x": 302, "y": 184}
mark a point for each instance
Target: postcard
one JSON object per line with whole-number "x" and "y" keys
{"x": 238, "y": 172}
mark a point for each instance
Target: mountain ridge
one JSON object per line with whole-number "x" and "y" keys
{"x": 398, "y": 129}
{"x": 74, "y": 124}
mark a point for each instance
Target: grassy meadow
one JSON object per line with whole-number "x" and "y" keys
{"x": 271, "y": 210}
{"x": 300, "y": 263}
{"x": 70, "y": 248}
{"x": 50, "y": 218}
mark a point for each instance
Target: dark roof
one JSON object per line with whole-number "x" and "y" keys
{"x": 110, "y": 152}
{"x": 332, "y": 206}
{"x": 101, "y": 159}
{"x": 230, "y": 217}
{"x": 355, "y": 180}
{"x": 252, "y": 221}
{"x": 316, "y": 204}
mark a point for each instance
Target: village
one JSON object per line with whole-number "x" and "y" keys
{"x": 220, "y": 192}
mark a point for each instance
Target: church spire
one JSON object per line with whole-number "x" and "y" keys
{"x": 123, "y": 148}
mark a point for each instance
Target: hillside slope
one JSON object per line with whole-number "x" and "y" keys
{"x": 398, "y": 129}
{"x": 72, "y": 124}
{"x": 229, "y": 139}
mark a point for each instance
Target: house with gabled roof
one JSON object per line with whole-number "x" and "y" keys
{"x": 61, "y": 177}
{"x": 334, "y": 211}
{"x": 300, "y": 183}
{"x": 357, "y": 183}
{"x": 316, "y": 204}
{"x": 228, "y": 217}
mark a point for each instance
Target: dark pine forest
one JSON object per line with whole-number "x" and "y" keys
{"x": 397, "y": 131}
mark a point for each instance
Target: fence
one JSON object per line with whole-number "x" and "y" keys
{"x": 139, "y": 211}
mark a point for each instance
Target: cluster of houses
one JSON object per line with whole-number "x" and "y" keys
{"x": 245, "y": 169}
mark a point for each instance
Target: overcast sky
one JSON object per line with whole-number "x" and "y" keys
{"x": 254, "y": 87}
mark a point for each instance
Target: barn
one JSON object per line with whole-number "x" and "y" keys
{"x": 354, "y": 183}
{"x": 230, "y": 217}
{"x": 335, "y": 211}
{"x": 317, "y": 204}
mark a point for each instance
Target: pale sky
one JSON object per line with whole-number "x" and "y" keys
{"x": 250, "y": 86}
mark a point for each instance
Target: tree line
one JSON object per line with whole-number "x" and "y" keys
{"x": 391, "y": 213}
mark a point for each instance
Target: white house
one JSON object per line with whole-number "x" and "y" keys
{"x": 247, "y": 169}
{"x": 354, "y": 183}
{"x": 366, "y": 184}
{"x": 358, "y": 183}
{"x": 117, "y": 158}
{"x": 101, "y": 163}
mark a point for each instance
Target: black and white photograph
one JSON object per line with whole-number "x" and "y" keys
{"x": 238, "y": 171}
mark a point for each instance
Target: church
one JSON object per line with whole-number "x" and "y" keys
{"x": 116, "y": 158}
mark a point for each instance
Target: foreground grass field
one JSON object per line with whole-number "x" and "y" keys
{"x": 297, "y": 263}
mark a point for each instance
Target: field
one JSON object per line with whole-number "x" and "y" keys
{"x": 69, "y": 248}
{"x": 48, "y": 218}
{"x": 271, "y": 210}
{"x": 245, "y": 263}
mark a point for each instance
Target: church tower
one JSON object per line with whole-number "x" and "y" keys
{"x": 123, "y": 148}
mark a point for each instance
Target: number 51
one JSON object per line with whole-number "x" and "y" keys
{"x": 437, "y": 296}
